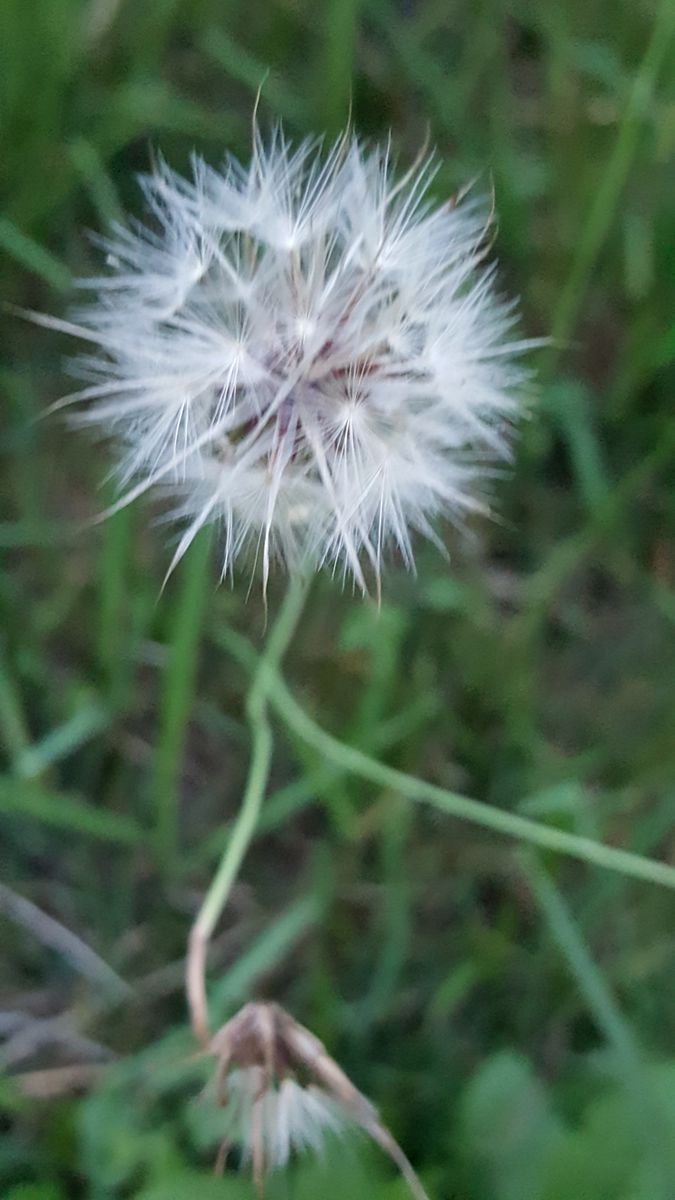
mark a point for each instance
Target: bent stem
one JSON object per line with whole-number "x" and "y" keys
{"x": 523, "y": 829}
{"x": 247, "y": 818}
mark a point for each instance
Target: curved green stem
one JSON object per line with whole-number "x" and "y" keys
{"x": 498, "y": 819}
{"x": 510, "y": 824}
{"x": 247, "y": 818}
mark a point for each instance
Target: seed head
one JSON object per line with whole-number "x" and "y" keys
{"x": 282, "y": 1094}
{"x": 304, "y": 351}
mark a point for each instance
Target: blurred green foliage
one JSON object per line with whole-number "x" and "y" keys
{"x": 513, "y": 1020}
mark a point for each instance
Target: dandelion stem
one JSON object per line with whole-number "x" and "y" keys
{"x": 247, "y": 818}
{"x": 510, "y": 824}
{"x": 466, "y": 809}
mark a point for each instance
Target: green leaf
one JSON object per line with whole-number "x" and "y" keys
{"x": 35, "y": 1191}
{"x": 510, "y": 1127}
{"x": 190, "y": 1185}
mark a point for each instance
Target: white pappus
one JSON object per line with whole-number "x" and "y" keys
{"x": 305, "y": 351}
{"x": 282, "y": 1094}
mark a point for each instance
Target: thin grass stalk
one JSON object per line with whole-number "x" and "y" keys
{"x": 116, "y": 558}
{"x": 606, "y": 1012}
{"x": 336, "y": 63}
{"x": 177, "y": 693}
{"x": 614, "y": 175}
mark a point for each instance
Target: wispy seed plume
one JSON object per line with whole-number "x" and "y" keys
{"x": 305, "y": 351}
{"x": 282, "y": 1094}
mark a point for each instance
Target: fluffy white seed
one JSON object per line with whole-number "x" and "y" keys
{"x": 279, "y": 1119}
{"x": 305, "y": 352}
{"x": 262, "y": 1054}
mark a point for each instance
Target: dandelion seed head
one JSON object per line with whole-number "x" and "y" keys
{"x": 282, "y": 1094}
{"x": 304, "y": 351}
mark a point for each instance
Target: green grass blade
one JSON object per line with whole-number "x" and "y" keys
{"x": 90, "y": 167}
{"x": 13, "y": 725}
{"x": 31, "y": 255}
{"x": 241, "y": 65}
{"x": 613, "y": 179}
{"x": 336, "y": 63}
{"x": 59, "y": 743}
{"x": 609, "y": 1019}
{"x": 177, "y": 692}
{"x": 394, "y": 922}
{"x": 58, "y": 810}
{"x": 263, "y": 955}
{"x": 114, "y": 581}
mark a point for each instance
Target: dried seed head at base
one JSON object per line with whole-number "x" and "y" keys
{"x": 282, "y": 1094}
{"x": 304, "y": 351}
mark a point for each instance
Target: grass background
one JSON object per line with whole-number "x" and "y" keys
{"x": 512, "y": 1016}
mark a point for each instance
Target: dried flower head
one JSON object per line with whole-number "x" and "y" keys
{"x": 283, "y": 1093}
{"x": 304, "y": 351}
